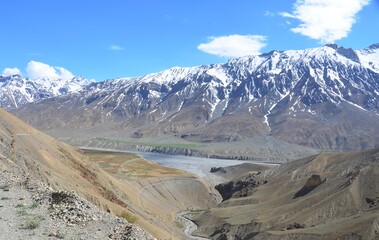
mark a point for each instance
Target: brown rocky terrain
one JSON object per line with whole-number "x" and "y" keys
{"x": 37, "y": 212}
{"x": 327, "y": 196}
{"x": 38, "y": 157}
{"x": 139, "y": 190}
{"x": 156, "y": 191}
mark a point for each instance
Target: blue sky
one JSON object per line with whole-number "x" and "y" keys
{"x": 101, "y": 39}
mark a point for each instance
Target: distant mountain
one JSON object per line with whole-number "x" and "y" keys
{"x": 16, "y": 91}
{"x": 326, "y": 98}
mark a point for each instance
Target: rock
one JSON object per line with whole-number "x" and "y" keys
{"x": 241, "y": 188}
{"x": 312, "y": 182}
{"x": 372, "y": 201}
{"x": 70, "y": 208}
{"x": 295, "y": 225}
{"x": 217, "y": 169}
{"x": 225, "y": 189}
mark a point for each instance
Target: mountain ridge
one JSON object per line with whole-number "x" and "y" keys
{"x": 306, "y": 97}
{"x": 17, "y": 90}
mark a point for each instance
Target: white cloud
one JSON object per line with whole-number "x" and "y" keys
{"x": 37, "y": 70}
{"x": 115, "y": 48}
{"x": 234, "y": 45}
{"x": 325, "y": 20}
{"x": 11, "y": 71}
{"x": 64, "y": 73}
{"x": 286, "y": 14}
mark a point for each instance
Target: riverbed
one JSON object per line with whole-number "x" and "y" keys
{"x": 196, "y": 165}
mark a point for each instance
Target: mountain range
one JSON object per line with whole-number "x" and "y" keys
{"x": 319, "y": 98}
{"x": 17, "y": 90}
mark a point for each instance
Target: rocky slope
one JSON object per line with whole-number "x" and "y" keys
{"x": 71, "y": 183}
{"x": 325, "y": 98}
{"x": 37, "y": 212}
{"x": 37, "y": 167}
{"x": 328, "y": 196}
{"x": 38, "y": 157}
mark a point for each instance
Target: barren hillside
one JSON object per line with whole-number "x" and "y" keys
{"x": 39, "y": 161}
{"x": 328, "y": 196}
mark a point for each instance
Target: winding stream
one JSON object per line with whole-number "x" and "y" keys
{"x": 189, "y": 226}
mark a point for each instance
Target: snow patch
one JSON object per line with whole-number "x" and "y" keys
{"x": 357, "y": 106}
{"x": 153, "y": 111}
{"x": 220, "y": 74}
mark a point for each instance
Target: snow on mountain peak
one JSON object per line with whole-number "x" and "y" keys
{"x": 171, "y": 75}
{"x": 16, "y": 90}
{"x": 273, "y": 62}
{"x": 369, "y": 57}
{"x": 275, "y": 73}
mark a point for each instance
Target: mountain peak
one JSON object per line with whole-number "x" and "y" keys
{"x": 16, "y": 90}
{"x": 11, "y": 76}
{"x": 273, "y": 52}
{"x": 374, "y": 46}
{"x": 346, "y": 52}
{"x": 332, "y": 45}
{"x": 349, "y": 53}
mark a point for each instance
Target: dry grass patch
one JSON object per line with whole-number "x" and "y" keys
{"x": 131, "y": 218}
{"x": 130, "y": 166}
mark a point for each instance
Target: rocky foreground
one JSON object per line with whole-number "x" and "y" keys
{"x": 35, "y": 211}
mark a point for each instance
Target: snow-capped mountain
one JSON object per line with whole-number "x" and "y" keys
{"x": 16, "y": 91}
{"x": 326, "y": 97}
